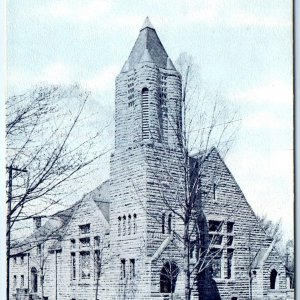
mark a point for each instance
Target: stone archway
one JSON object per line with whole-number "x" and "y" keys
{"x": 168, "y": 277}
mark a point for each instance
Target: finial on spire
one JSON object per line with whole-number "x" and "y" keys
{"x": 147, "y": 23}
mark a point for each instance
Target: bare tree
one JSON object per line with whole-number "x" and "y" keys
{"x": 44, "y": 139}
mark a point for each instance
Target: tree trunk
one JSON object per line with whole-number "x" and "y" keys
{"x": 187, "y": 262}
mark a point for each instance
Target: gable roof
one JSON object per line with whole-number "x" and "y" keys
{"x": 100, "y": 195}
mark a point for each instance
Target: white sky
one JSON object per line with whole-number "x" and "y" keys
{"x": 243, "y": 48}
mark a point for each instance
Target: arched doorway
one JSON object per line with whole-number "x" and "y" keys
{"x": 34, "y": 280}
{"x": 168, "y": 277}
{"x": 273, "y": 279}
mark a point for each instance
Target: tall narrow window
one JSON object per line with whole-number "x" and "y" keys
{"x": 229, "y": 263}
{"x": 15, "y": 281}
{"x": 163, "y": 220}
{"x": 129, "y": 224}
{"x": 119, "y": 226}
{"x": 214, "y": 191}
{"x": 97, "y": 264}
{"x": 132, "y": 268}
{"x": 73, "y": 244}
{"x": 85, "y": 264}
{"x": 145, "y": 114}
{"x": 39, "y": 249}
{"x": 273, "y": 279}
{"x": 124, "y": 225}
{"x": 170, "y": 223}
{"x": 134, "y": 224}
{"x": 123, "y": 268}
{"x": 22, "y": 281}
{"x": 216, "y": 263}
{"x": 97, "y": 241}
{"x": 73, "y": 262}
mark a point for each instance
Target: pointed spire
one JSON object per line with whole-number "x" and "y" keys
{"x": 125, "y": 67}
{"x": 146, "y": 24}
{"x": 170, "y": 65}
{"x": 146, "y": 57}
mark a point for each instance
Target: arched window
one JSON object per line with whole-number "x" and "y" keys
{"x": 34, "y": 280}
{"x": 168, "y": 277}
{"x": 119, "y": 226}
{"x": 129, "y": 224}
{"x": 124, "y": 225}
{"x": 145, "y": 113}
{"x": 134, "y": 224}
{"x": 170, "y": 223}
{"x": 273, "y": 279}
{"x": 163, "y": 220}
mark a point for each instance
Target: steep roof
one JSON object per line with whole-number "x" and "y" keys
{"x": 148, "y": 40}
{"x": 101, "y": 197}
{"x": 55, "y": 226}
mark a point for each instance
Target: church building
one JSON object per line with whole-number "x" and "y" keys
{"x": 126, "y": 238}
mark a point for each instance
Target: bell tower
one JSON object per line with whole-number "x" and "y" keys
{"x": 148, "y": 107}
{"x": 146, "y": 166}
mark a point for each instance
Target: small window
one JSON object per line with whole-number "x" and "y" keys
{"x": 15, "y": 260}
{"x": 38, "y": 222}
{"x": 229, "y": 240}
{"x": 73, "y": 243}
{"x": 84, "y": 242}
{"x": 39, "y": 249}
{"x": 84, "y": 228}
{"x": 15, "y": 281}
{"x": 97, "y": 241}
{"x": 230, "y": 227}
{"x": 215, "y": 226}
{"x": 22, "y": 260}
{"x": 215, "y": 239}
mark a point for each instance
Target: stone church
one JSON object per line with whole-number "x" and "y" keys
{"x": 124, "y": 240}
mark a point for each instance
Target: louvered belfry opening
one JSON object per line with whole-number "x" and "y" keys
{"x": 145, "y": 116}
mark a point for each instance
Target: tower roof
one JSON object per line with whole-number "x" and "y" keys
{"x": 149, "y": 40}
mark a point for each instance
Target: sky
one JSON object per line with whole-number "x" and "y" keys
{"x": 243, "y": 50}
